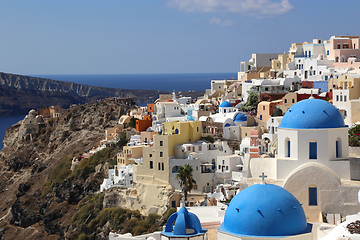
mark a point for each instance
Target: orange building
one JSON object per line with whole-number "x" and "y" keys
{"x": 143, "y": 124}
{"x": 150, "y": 109}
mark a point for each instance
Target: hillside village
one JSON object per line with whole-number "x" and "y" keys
{"x": 284, "y": 121}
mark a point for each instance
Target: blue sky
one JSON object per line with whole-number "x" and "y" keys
{"x": 153, "y": 36}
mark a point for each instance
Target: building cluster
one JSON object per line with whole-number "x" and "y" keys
{"x": 296, "y": 135}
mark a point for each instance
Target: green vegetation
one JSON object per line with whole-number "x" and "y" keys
{"x": 354, "y": 136}
{"x": 82, "y": 170}
{"x": 209, "y": 138}
{"x": 132, "y": 122}
{"x": 92, "y": 216}
{"x": 251, "y": 103}
{"x": 123, "y": 141}
{"x": 57, "y": 176}
{"x": 186, "y": 179}
{"x": 87, "y": 165}
{"x": 168, "y": 213}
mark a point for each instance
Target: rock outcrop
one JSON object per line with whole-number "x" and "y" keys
{"x": 19, "y": 94}
{"x": 26, "y": 164}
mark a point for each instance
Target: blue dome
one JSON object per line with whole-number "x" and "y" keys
{"x": 312, "y": 113}
{"x": 240, "y": 118}
{"x": 226, "y": 104}
{"x": 264, "y": 210}
{"x": 190, "y": 118}
{"x": 186, "y": 224}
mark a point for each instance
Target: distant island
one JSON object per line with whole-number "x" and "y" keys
{"x": 19, "y": 94}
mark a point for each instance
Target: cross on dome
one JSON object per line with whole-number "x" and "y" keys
{"x": 263, "y": 176}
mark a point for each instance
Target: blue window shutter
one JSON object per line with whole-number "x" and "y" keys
{"x": 313, "y": 150}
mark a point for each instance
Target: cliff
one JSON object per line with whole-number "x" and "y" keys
{"x": 19, "y": 94}
{"x": 41, "y": 198}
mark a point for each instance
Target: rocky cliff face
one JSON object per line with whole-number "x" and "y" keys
{"x": 19, "y": 94}
{"x": 41, "y": 84}
{"x": 27, "y": 161}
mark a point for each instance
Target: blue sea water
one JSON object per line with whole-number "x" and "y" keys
{"x": 165, "y": 82}
{"x": 6, "y": 122}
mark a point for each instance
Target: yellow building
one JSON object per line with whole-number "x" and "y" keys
{"x": 129, "y": 154}
{"x": 155, "y": 166}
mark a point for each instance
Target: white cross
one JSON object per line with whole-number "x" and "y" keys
{"x": 263, "y": 176}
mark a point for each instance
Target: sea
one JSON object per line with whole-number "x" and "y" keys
{"x": 166, "y": 82}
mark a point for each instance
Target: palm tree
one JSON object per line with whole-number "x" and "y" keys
{"x": 186, "y": 179}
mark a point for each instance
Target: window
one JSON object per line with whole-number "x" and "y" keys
{"x": 285, "y": 100}
{"x": 327, "y": 52}
{"x": 227, "y": 168}
{"x": 150, "y": 155}
{"x": 312, "y": 195}
{"x": 344, "y": 98}
{"x": 200, "y": 149}
{"x": 337, "y": 98}
{"x": 161, "y": 154}
{"x": 173, "y": 204}
{"x": 287, "y": 147}
{"x": 309, "y": 53}
{"x": 197, "y": 129}
{"x": 293, "y": 101}
{"x": 263, "y": 107}
{"x": 151, "y": 165}
{"x": 159, "y": 166}
{"x": 338, "y": 148}
{"x": 219, "y": 167}
{"x": 162, "y": 166}
{"x": 175, "y": 169}
{"x": 340, "y": 98}
{"x": 197, "y": 168}
{"x": 313, "y": 149}
{"x": 161, "y": 143}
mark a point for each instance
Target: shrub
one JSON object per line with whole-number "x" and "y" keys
{"x": 87, "y": 165}
{"x": 168, "y": 213}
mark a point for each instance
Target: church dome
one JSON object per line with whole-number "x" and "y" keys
{"x": 226, "y": 104}
{"x": 312, "y": 113}
{"x": 264, "y": 210}
{"x": 183, "y": 224}
{"x": 240, "y": 118}
{"x": 190, "y": 118}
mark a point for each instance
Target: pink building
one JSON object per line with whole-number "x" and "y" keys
{"x": 254, "y": 144}
{"x": 345, "y": 50}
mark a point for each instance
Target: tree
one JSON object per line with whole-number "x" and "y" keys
{"x": 132, "y": 122}
{"x": 251, "y": 103}
{"x": 186, "y": 179}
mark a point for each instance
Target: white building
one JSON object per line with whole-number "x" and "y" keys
{"x": 272, "y": 126}
{"x": 120, "y": 176}
{"x": 278, "y": 85}
{"x": 256, "y": 61}
{"x": 313, "y": 160}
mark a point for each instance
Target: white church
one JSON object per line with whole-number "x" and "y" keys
{"x": 312, "y": 161}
